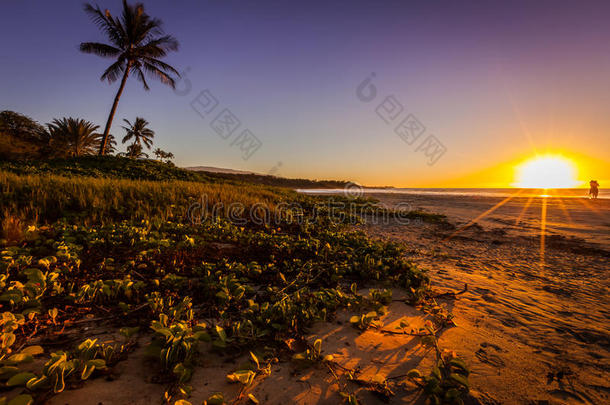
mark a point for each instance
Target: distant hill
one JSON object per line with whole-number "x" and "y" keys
{"x": 269, "y": 180}
{"x": 265, "y": 179}
{"x": 212, "y": 169}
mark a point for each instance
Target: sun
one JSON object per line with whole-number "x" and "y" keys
{"x": 547, "y": 171}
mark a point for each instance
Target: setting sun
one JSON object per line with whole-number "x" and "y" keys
{"x": 549, "y": 171}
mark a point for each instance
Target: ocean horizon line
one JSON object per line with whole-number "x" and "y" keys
{"x": 466, "y": 192}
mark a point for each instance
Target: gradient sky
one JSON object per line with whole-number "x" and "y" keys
{"x": 495, "y": 83}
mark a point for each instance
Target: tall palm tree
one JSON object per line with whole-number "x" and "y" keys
{"x": 73, "y": 137}
{"x": 137, "y": 41}
{"x": 139, "y": 132}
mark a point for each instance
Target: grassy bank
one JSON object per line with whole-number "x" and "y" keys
{"x": 152, "y": 170}
{"x": 104, "y": 167}
{"x": 47, "y": 198}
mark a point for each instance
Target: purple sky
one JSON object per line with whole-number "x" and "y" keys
{"x": 492, "y": 82}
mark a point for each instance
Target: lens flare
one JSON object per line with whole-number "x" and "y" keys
{"x": 548, "y": 171}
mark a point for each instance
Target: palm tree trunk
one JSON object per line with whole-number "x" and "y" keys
{"x": 113, "y": 110}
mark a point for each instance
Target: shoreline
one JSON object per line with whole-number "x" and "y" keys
{"x": 364, "y": 191}
{"x": 529, "y": 320}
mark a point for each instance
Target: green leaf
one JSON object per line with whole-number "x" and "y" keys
{"x": 183, "y": 373}
{"x": 7, "y": 372}
{"x": 221, "y": 333}
{"x": 23, "y": 399}
{"x": 87, "y": 371}
{"x": 33, "y": 350}
{"x": 460, "y": 379}
{"x": 414, "y": 373}
{"x": 59, "y": 383}
{"x": 20, "y": 379}
{"x": 317, "y": 346}
{"x": 436, "y": 372}
{"x": 21, "y": 358}
{"x": 452, "y": 394}
{"x": 36, "y": 383}
{"x": 255, "y": 360}
{"x": 428, "y": 340}
{"x": 242, "y": 376}
{"x": 217, "y": 398}
{"x": 354, "y": 319}
{"x": 459, "y": 363}
{"x": 98, "y": 363}
{"x": 353, "y": 288}
{"x": 299, "y": 357}
{"x": 35, "y": 275}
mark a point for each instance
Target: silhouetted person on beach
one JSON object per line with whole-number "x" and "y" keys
{"x": 594, "y": 190}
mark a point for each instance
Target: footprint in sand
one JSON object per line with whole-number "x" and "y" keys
{"x": 485, "y": 355}
{"x": 489, "y": 297}
{"x": 569, "y": 397}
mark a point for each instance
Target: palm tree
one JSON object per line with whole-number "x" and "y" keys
{"x": 111, "y": 144}
{"x": 139, "y": 132}
{"x": 163, "y": 155}
{"x": 73, "y": 137}
{"x": 134, "y": 151}
{"x": 137, "y": 41}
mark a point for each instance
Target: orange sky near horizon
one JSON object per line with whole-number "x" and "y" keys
{"x": 503, "y": 175}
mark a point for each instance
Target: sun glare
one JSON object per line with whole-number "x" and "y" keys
{"x": 548, "y": 171}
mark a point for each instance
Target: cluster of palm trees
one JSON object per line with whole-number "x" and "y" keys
{"x": 23, "y": 138}
{"x": 78, "y": 137}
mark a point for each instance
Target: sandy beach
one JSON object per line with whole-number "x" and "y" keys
{"x": 533, "y": 328}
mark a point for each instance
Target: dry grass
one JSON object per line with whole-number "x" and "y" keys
{"x": 45, "y": 198}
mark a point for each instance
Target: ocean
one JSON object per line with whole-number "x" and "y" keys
{"x": 473, "y": 192}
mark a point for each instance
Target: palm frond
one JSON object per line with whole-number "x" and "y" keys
{"x": 106, "y": 24}
{"x": 73, "y": 137}
{"x": 142, "y": 78}
{"x": 161, "y": 65}
{"x": 159, "y": 75}
{"x": 113, "y": 72}
{"x": 103, "y": 50}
